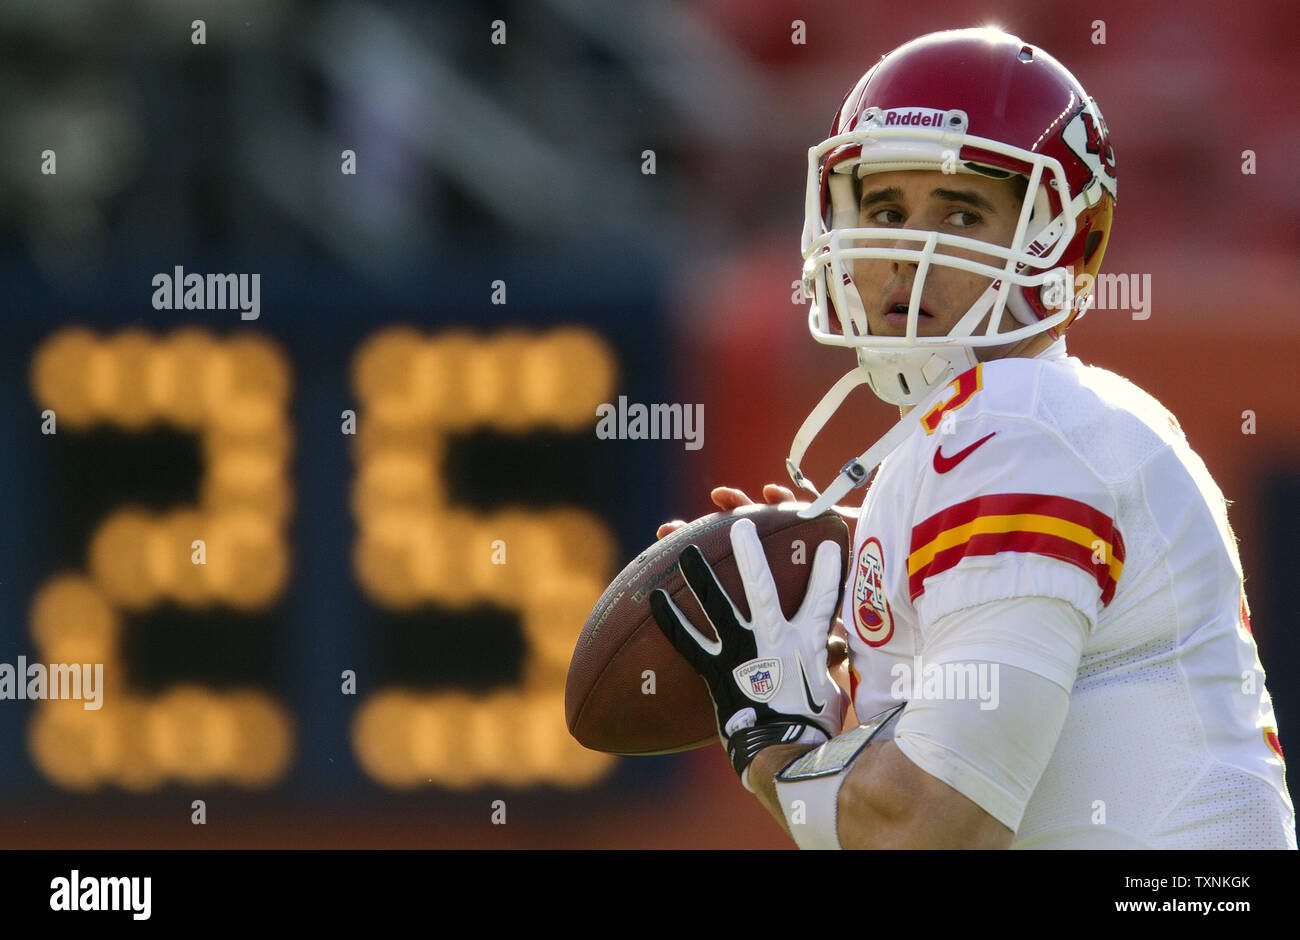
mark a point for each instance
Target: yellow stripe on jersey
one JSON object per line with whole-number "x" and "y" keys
{"x": 1018, "y": 522}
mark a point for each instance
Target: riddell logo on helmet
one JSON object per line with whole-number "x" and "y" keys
{"x": 912, "y": 117}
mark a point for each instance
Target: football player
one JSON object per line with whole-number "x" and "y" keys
{"x": 1050, "y": 642}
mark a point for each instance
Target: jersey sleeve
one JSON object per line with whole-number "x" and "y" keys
{"x": 995, "y": 759}
{"x": 993, "y": 746}
{"x": 1019, "y": 514}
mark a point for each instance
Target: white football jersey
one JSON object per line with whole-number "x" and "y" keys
{"x": 1047, "y": 478}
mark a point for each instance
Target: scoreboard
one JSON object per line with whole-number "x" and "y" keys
{"x": 321, "y": 550}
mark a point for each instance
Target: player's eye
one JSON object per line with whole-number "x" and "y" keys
{"x": 884, "y": 216}
{"x": 963, "y": 218}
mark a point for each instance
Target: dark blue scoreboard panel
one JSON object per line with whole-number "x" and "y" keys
{"x": 343, "y": 548}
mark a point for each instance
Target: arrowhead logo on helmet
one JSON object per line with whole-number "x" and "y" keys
{"x": 1086, "y": 136}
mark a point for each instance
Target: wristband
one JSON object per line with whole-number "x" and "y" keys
{"x": 745, "y": 743}
{"x": 808, "y": 787}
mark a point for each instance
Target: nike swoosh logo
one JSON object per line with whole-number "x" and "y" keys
{"x": 816, "y": 706}
{"x": 943, "y": 464}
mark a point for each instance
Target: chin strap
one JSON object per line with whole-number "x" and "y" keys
{"x": 856, "y": 471}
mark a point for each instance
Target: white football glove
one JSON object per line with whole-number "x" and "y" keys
{"x": 767, "y": 676}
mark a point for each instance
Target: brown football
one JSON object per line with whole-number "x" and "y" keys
{"x": 629, "y": 691}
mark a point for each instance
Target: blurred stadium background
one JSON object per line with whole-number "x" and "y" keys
{"x": 522, "y": 164}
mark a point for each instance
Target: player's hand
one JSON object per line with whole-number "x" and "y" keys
{"x": 727, "y": 497}
{"x": 768, "y": 676}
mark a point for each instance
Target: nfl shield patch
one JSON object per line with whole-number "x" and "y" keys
{"x": 759, "y": 678}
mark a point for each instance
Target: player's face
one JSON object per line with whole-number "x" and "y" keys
{"x": 956, "y": 204}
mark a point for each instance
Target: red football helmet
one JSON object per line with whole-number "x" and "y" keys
{"x": 964, "y": 101}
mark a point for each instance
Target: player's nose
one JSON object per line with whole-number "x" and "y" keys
{"x": 902, "y": 243}
{"x": 900, "y": 265}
